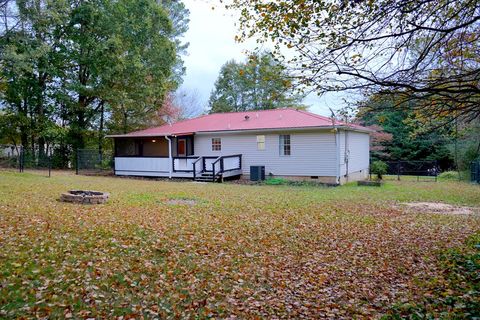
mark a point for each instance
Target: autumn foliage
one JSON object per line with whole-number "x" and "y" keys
{"x": 250, "y": 251}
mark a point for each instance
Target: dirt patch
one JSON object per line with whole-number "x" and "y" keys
{"x": 438, "y": 207}
{"x": 188, "y": 202}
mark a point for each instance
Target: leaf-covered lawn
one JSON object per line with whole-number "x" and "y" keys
{"x": 248, "y": 251}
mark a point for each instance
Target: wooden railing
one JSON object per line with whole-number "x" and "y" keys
{"x": 215, "y": 165}
{"x": 214, "y": 171}
{"x": 194, "y": 167}
{"x": 226, "y": 163}
{"x": 183, "y": 164}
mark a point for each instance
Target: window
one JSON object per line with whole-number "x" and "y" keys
{"x": 128, "y": 148}
{"x": 284, "y": 144}
{"x": 260, "y": 142}
{"x": 216, "y": 144}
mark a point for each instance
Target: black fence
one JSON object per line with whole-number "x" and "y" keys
{"x": 91, "y": 161}
{"x": 83, "y": 161}
{"x": 38, "y": 162}
{"x": 412, "y": 170}
{"x": 9, "y": 162}
{"x": 475, "y": 171}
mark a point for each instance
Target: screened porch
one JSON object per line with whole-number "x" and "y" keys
{"x": 171, "y": 156}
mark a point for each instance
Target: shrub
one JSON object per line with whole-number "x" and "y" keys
{"x": 448, "y": 175}
{"x": 275, "y": 181}
{"x": 378, "y": 168}
{"x": 295, "y": 183}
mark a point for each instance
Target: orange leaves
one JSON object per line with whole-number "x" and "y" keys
{"x": 246, "y": 251}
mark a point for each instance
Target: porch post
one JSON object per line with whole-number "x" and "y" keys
{"x": 169, "y": 157}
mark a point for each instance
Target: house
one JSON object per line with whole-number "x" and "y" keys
{"x": 289, "y": 143}
{"x": 8, "y": 150}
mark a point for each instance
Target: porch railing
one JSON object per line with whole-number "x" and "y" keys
{"x": 226, "y": 163}
{"x": 183, "y": 164}
{"x": 208, "y": 164}
{"x": 195, "y": 172}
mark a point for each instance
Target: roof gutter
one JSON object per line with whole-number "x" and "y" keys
{"x": 148, "y": 135}
{"x": 140, "y": 136}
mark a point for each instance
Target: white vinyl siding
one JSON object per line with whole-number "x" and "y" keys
{"x": 356, "y": 145}
{"x": 312, "y": 153}
{"x": 150, "y": 166}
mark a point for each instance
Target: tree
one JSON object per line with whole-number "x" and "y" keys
{"x": 230, "y": 90}
{"x": 179, "y": 16}
{"x": 28, "y": 53}
{"x": 260, "y": 83}
{"x": 465, "y": 143}
{"x": 379, "y": 140}
{"x": 8, "y": 129}
{"x": 401, "y": 136}
{"x": 189, "y": 103}
{"x": 8, "y": 15}
{"x": 120, "y": 53}
{"x": 73, "y": 68}
{"x": 426, "y": 50}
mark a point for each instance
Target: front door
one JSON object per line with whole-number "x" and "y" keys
{"x": 182, "y": 147}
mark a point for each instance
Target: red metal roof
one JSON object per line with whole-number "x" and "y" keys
{"x": 250, "y": 120}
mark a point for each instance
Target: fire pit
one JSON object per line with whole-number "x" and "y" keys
{"x": 84, "y": 197}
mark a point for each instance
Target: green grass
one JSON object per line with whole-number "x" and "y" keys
{"x": 254, "y": 251}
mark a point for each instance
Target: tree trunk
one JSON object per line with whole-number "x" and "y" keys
{"x": 81, "y": 112}
{"x": 100, "y": 130}
{"x": 23, "y": 127}
{"x": 125, "y": 115}
{"x": 42, "y": 80}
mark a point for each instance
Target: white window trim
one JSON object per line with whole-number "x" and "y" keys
{"x": 281, "y": 149}
{"x": 261, "y": 142}
{"x": 219, "y": 144}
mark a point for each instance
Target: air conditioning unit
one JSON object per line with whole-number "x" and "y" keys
{"x": 257, "y": 173}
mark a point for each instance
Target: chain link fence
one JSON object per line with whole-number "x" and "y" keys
{"x": 8, "y": 156}
{"x": 475, "y": 171}
{"x": 417, "y": 170}
{"x": 37, "y": 162}
{"x": 93, "y": 162}
{"x": 83, "y": 161}
{"x": 9, "y": 162}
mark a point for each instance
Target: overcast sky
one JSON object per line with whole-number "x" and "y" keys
{"x": 211, "y": 37}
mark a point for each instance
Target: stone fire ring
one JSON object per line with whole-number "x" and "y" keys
{"x": 84, "y": 197}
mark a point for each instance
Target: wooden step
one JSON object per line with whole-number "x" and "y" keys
{"x": 206, "y": 178}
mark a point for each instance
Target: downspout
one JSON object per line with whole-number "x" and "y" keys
{"x": 337, "y": 145}
{"x": 347, "y": 154}
{"x": 336, "y": 131}
{"x": 114, "y": 156}
{"x": 169, "y": 157}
